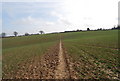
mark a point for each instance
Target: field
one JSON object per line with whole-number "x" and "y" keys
{"x": 17, "y": 50}
{"x": 86, "y": 54}
{"x": 95, "y": 53}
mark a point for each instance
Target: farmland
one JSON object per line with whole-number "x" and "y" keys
{"x": 95, "y": 53}
{"x": 92, "y": 54}
{"x": 19, "y": 49}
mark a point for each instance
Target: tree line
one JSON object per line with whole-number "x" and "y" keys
{"x": 16, "y": 34}
{"x": 42, "y": 32}
{"x": 99, "y": 29}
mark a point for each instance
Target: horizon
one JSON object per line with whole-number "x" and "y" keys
{"x": 57, "y": 16}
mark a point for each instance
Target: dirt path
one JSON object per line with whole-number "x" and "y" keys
{"x": 61, "y": 72}
{"x": 54, "y": 64}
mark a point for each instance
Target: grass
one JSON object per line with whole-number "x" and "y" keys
{"x": 92, "y": 49}
{"x": 28, "y": 40}
{"x": 0, "y": 58}
{"x": 17, "y": 50}
{"x": 100, "y": 46}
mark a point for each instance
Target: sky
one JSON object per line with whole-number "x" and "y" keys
{"x": 31, "y": 16}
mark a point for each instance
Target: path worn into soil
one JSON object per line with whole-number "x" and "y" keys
{"x": 61, "y": 71}
{"x": 54, "y": 64}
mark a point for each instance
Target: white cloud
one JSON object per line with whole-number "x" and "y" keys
{"x": 100, "y": 12}
{"x": 0, "y": 25}
{"x": 54, "y": 13}
{"x": 82, "y": 14}
{"x": 61, "y": 18}
{"x": 13, "y": 10}
{"x": 66, "y": 15}
{"x": 31, "y": 0}
{"x": 34, "y": 25}
{"x": 50, "y": 23}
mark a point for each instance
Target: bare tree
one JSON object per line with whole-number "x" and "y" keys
{"x": 41, "y": 32}
{"x": 3, "y": 34}
{"x": 15, "y": 33}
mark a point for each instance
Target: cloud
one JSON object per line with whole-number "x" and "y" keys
{"x": 50, "y": 23}
{"x": 61, "y": 18}
{"x": 35, "y": 24}
{"x": 27, "y": 24}
{"x": 59, "y": 15}
{"x": 0, "y": 22}
{"x": 30, "y": 22}
{"x": 65, "y": 22}
{"x": 31, "y": 0}
{"x": 54, "y": 13}
{"x": 17, "y": 9}
{"x": 0, "y": 25}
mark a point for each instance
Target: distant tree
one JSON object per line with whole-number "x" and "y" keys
{"x": 26, "y": 34}
{"x": 115, "y": 27}
{"x": 118, "y": 27}
{"x": 78, "y": 30}
{"x": 99, "y": 29}
{"x": 41, "y": 32}
{"x": 15, "y": 33}
{"x": 88, "y": 29}
{"x": 3, "y": 34}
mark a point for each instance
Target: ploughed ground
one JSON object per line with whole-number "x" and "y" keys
{"x": 55, "y": 64}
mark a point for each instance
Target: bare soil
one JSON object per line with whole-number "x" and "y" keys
{"x": 54, "y": 64}
{"x": 91, "y": 69}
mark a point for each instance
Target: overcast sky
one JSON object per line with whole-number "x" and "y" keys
{"x": 57, "y": 15}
